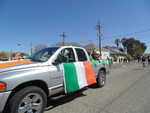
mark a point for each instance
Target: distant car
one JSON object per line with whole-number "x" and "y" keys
{"x": 3, "y": 59}
{"x": 26, "y": 84}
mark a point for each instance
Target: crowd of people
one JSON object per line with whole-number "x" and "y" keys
{"x": 123, "y": 60}
{"x": 144, "y": 60}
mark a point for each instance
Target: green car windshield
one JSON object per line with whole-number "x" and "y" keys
{"x": 43, "y": 55}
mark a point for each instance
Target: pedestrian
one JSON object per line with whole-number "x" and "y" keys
{"x": 138, "y": 58}
{"x": 109, "y": 61}
{"x": 144, "y": 61}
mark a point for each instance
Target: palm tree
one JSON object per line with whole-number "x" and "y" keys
{"x": 117, "y": 42}
{"x": 124, "y": 43}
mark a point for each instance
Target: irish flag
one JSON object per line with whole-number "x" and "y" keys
{"x": 13, "y": 63}
{"x": 78, "y": 75}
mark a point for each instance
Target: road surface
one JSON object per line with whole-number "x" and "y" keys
{"x": 127, "y": 91}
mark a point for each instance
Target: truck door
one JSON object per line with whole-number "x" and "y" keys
{"x": 87, "y": 65}
{"x": 65, "y": 56}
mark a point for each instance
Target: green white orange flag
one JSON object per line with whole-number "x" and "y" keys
{"x": 77, "y": 76}
{"x": 13, "y": 63}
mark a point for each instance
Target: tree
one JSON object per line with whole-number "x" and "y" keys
{"x": 134, "y": 47}
{"x": 123, "y": 42}
{"x": 3, "y": 54}
{"x": 117, "y": 42}
{"x": 39, "y": 47}
{"x": 90, "y": 47}
{"x": 23, "y": 54}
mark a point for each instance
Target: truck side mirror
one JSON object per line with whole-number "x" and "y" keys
{"x": 56, "y": 62}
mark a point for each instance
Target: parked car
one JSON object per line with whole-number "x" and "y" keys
{"x": 26, "y": 84}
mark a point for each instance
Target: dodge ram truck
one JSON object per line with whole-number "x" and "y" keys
{"x": 26, "y": 84}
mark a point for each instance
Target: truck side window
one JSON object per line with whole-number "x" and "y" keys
{"x": 66, "y": 56}
{"x": 81, "y": 54}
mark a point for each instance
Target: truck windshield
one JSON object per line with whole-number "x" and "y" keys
{"x": 43, "y": 55}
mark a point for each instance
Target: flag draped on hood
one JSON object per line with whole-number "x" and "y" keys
{"x": 13, "y": 63}
{"x": 78, "y": 75}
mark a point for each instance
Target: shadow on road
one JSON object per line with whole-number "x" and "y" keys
{"x": 52, "y": 103}
{"x": 94, "y": 86}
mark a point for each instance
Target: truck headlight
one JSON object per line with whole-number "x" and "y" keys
{"x": 3, "y": 86}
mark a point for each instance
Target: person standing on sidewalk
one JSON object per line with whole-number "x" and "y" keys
{"x": 144, "y": 61}
{"x": 138, "y": 58}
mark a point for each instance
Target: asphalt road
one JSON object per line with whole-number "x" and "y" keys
{"x": 127, "y": 91}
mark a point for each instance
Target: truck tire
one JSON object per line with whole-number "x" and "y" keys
{"x": 30, "y": 99}
{"x": 101, "y": 78}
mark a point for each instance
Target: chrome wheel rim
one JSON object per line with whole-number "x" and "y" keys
{"x": 31, "y": 103}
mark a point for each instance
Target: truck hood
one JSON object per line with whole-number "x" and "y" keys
{"x": 16, "y": 65}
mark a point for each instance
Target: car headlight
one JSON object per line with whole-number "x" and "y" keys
{"x": 3, "y": 86}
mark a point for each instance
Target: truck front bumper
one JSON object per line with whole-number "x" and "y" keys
{"x": 3, "y": 99}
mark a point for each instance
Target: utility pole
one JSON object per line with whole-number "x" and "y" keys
{"x": 31, "y": 50}
{"x": 63, "y": 35}
{"x": 98, "y": 28}
{"x": 10, "y": 55}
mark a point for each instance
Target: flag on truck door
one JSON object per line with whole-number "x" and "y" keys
{"x": 78, "y": 75}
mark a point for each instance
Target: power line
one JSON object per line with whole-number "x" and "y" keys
{"x": 130, "y": 33}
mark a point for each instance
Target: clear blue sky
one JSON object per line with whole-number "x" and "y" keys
{"x": 42, "y": 21}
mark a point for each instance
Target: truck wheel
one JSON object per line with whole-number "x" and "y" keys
{"x": 101, "y": 78}
{"x": 28, "y": 100}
